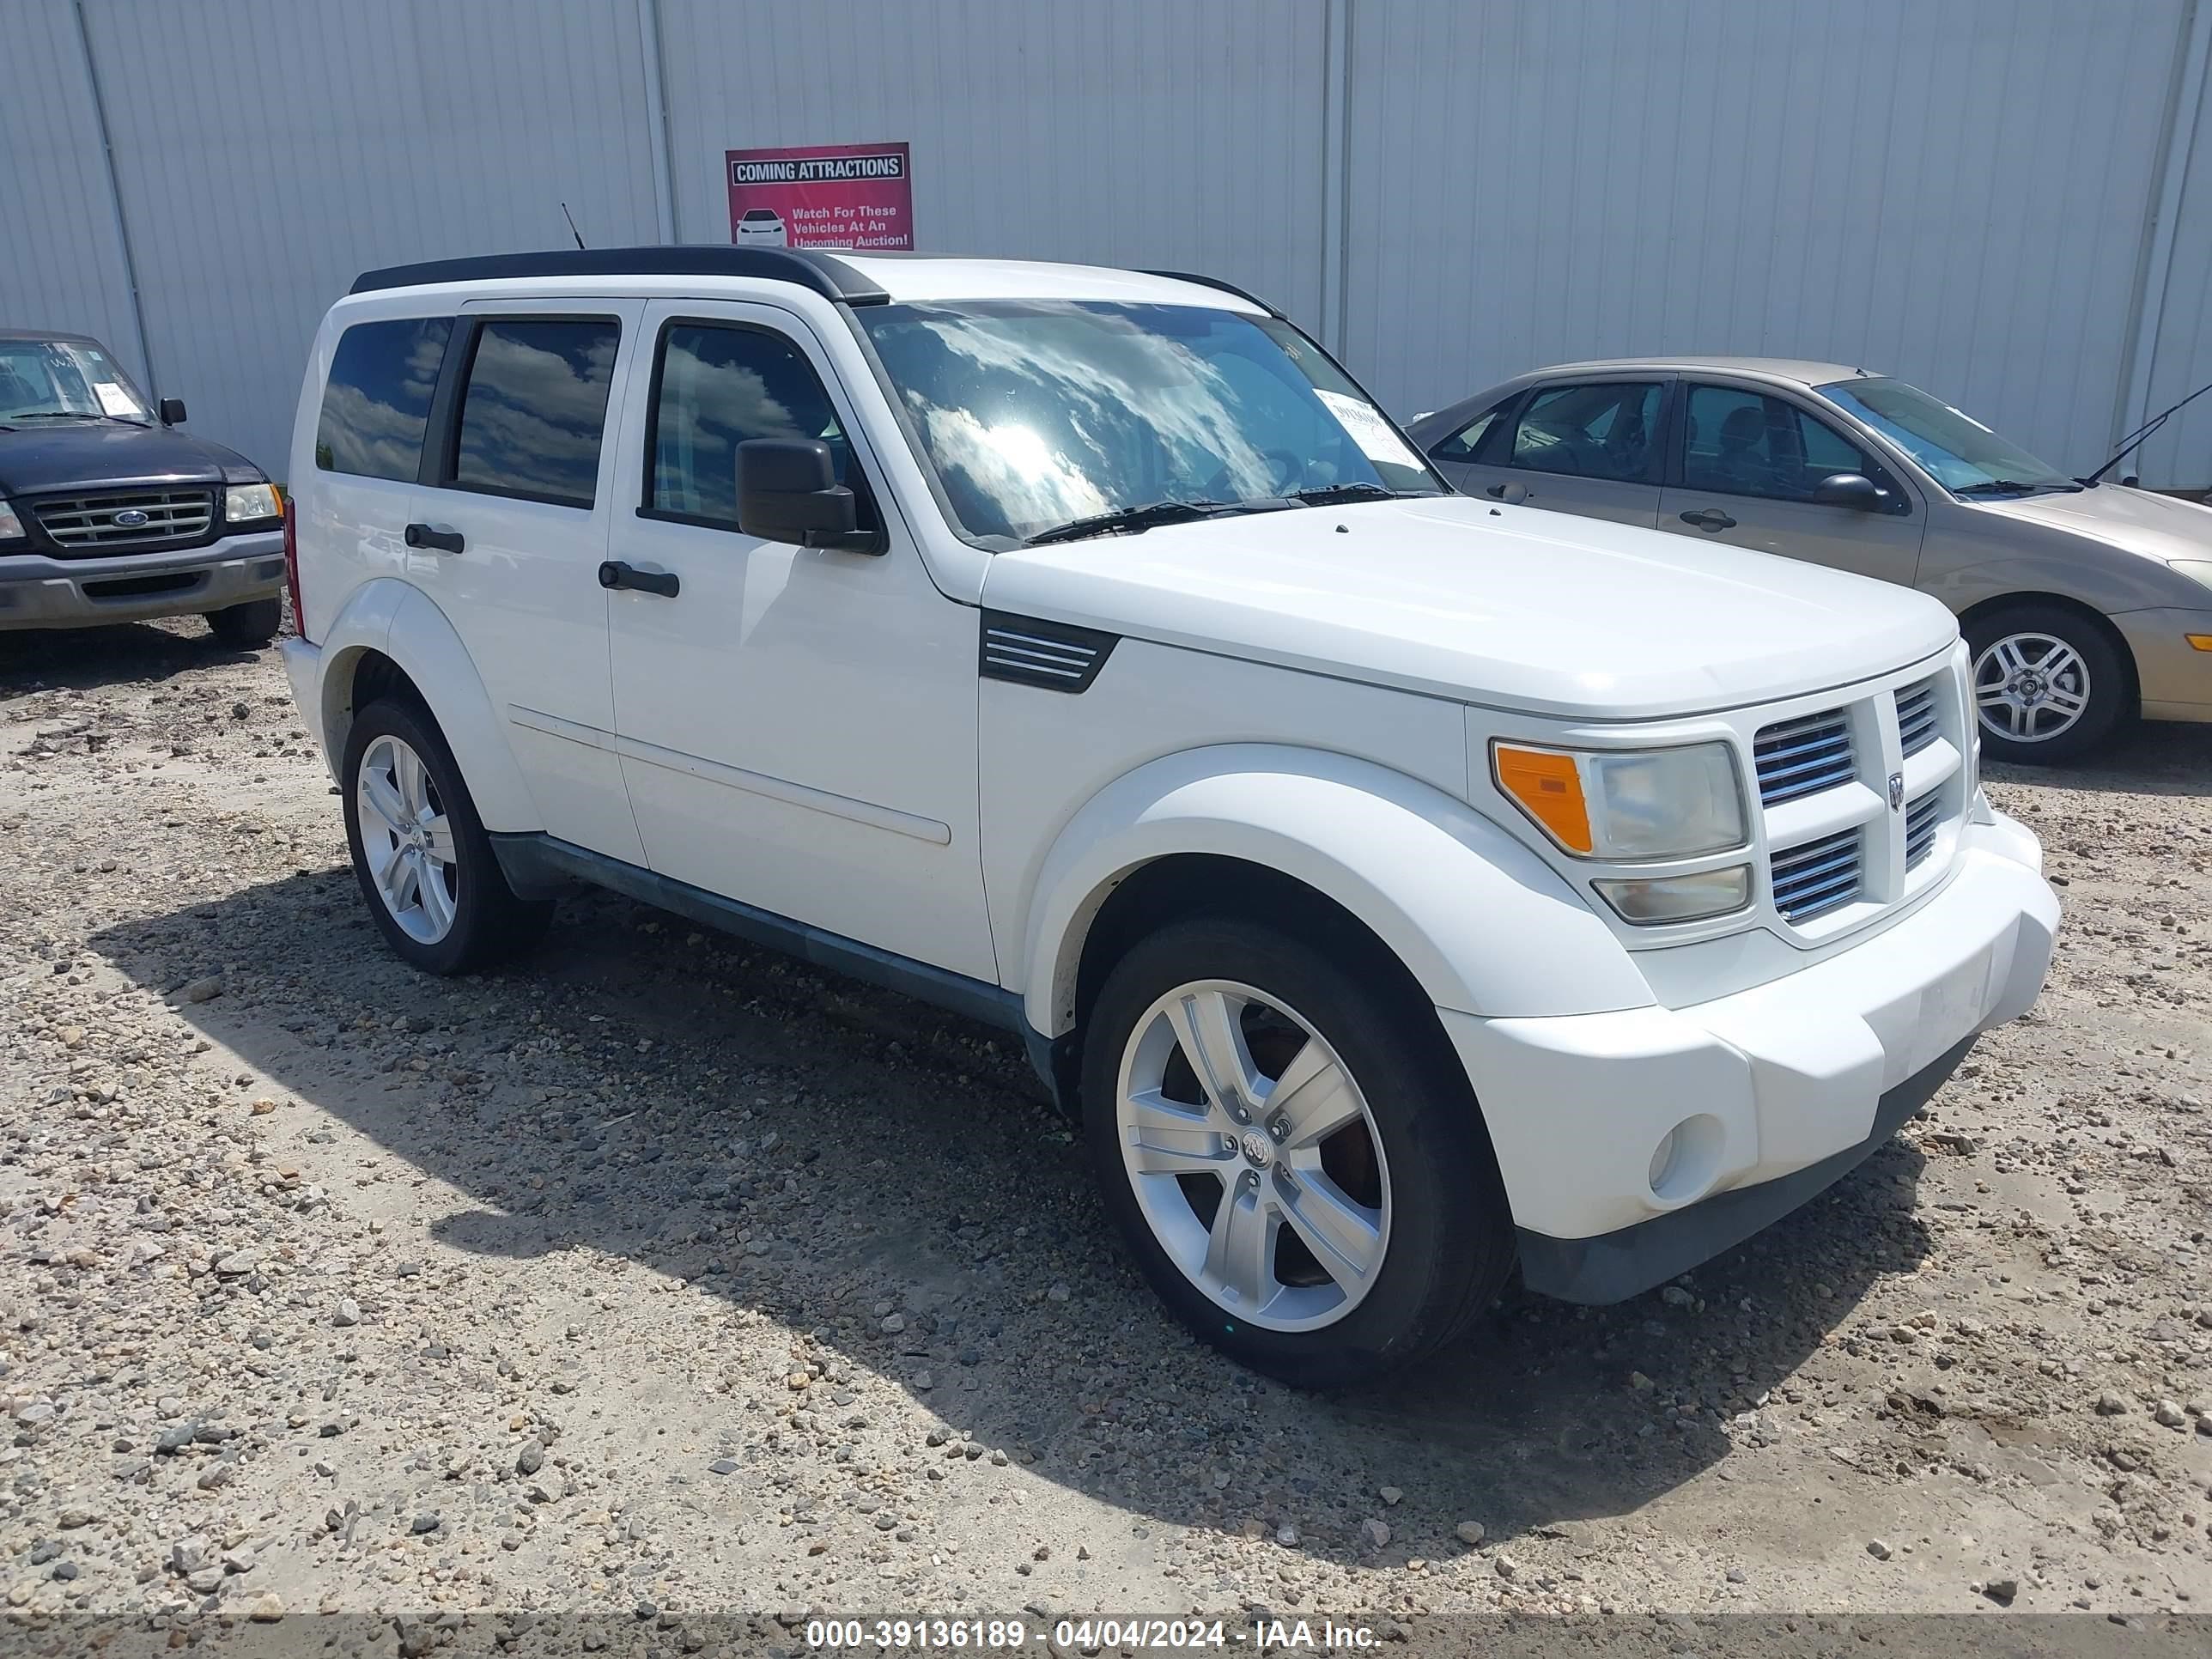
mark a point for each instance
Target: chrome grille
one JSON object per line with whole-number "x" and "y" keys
{"x": 1803, "y": 757}
{"x": 1915, "y": 717}
{"x": 1817, "y": 875}
{"x": 122, "y": 520}
{"x": 1921, "y": 819}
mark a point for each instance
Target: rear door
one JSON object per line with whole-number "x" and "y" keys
{"x": 1590, "y": 446}
{"x": 1746, "y": 461}
{"x": 512, "y": 517}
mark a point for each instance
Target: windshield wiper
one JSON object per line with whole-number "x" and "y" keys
{"x": 71, "y": 415}
{"x": 2012, "y": 487}
{"x": 1131, "y": 521}
{"x": 1328, "y": 495}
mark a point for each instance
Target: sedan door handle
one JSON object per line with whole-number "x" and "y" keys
{"x": 442, "y": 537}
{"x": 1511, "y": 492}
{"x": 1709, "y": 519}
{"x": 615, "y": 574}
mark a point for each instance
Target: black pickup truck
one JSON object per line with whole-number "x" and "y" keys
{"x": 109, "y": 514}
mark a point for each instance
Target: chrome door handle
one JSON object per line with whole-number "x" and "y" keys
{"x": 1709, "y": 519}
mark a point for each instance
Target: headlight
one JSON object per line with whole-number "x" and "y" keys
{"x": 248, "y": 503}
{"x": 2196, "y": 569}
{"x": 11, "y": 527}
{"x": 1627, "y": 804}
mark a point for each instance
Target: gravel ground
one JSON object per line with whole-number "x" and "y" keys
{"x": 663, "y": 1274}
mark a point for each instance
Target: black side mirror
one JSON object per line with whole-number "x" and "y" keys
{"x": 1852, "y": 489}
{"x": 173, "y": 411}
{"x": 787, "y": 491}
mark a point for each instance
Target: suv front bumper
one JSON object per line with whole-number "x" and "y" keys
{"x": 36, "y": 591}
{"x": 1636, "y": 1144}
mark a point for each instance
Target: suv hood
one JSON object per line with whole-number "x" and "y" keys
{"x": 2137, "y": 520}
{"x": 66, "y": 455}
{"x": 1511, "y": 607}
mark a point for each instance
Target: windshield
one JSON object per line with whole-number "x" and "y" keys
{"x": 1954, "y": 449}
{"x": 50, "y": 378}
{"x": 1034, "y": 414}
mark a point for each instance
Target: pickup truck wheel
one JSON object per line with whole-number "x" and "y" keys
{"x": 246, "y": 626}
{"x": 1303, "y": 1180}
{"x": 420, "y": 852}
{"x": 2049, "y": 685}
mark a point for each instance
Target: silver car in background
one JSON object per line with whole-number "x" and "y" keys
{"x": 2085, "y": 604}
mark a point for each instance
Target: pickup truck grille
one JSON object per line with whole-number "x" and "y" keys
{"x": 1916, "y": 718}
{"x": 1921, "y": 819}
{"x": 121, "y": 521}
{"x": 1817, "y": 877}
{"x": 1856, "y": 798}
{"x": 1803, "y": 757}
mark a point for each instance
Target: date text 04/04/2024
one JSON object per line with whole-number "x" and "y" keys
{"x": 987, "y": 1635}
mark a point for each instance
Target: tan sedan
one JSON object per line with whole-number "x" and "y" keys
{"x": 2086, "y": 604}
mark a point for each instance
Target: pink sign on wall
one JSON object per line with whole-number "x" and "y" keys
{"x": 850, "y": 196}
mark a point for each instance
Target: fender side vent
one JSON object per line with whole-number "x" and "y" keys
{"x": 1054, "y": 655}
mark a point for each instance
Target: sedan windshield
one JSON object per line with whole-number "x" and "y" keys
{"x": 1954, "y": 449}
{"x": 48, "y": 379}
{"x": 1082, "y": 418}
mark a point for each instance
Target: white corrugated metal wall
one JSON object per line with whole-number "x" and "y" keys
{"x": 1963, "y": 191}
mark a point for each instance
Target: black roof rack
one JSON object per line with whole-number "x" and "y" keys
{"x": 1216, "y": 283}
{"x": 825, "y": 274}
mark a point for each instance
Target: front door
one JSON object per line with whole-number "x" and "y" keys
{"x": 1750, "y": 462}
{"x": 1586, "y": 446}
{"x": 797, "y": 725}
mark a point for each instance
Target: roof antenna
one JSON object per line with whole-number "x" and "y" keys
{"x": 571, "y": 218}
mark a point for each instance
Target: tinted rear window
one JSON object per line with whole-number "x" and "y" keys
{"x": 536, "y": 406}
{"x": 377, "y": 400}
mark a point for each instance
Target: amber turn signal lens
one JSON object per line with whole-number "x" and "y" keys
{"x": 1548, "y": 787}
{"x": 2199, "y": 642}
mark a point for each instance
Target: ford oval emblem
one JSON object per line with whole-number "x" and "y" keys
{"x": 131, "y": 517}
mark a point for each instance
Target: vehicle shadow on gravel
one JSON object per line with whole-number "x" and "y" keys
{"x": 126, "y": 653}
{"x": 811, "y": 1150}
{"x": 2154, "y": 757}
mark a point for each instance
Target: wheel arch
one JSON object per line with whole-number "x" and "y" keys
{"x": 1473, "y": 918}
{"x": 390, "y": 637}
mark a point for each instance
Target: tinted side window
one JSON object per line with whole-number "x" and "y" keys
{"x": 535, "y": 407}
{"x": 716, "y": 387}
{"x": 1743, "y": 444}
{"x": 1606, "y": 430}
{"x": 1462, "y": 444}
{"x": 377, "y": 400}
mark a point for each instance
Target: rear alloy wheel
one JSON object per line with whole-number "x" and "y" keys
{"x": 2048, "y": 685}
{"x": 1292, "y": 1153}
{"x": 425, "y": 865}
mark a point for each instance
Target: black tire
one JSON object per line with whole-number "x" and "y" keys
{"x": 2112, "y": 695}
{"x": 246, "y": 626}
{"x": 489, "y": 923}
{"x": 1449, "y": 1245}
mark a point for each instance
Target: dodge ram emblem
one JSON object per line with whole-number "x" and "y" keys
{"x": 131, "y": 517}
{"x": 1896, "y": 790}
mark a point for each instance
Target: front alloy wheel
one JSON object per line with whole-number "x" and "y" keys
{"x": 1287, "y": 1143}
{"x": 1254, "y": 1156}
{"x": 2049, "y": 684}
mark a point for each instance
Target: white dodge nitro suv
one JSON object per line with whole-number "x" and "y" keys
{"x": 1399, "y": 886}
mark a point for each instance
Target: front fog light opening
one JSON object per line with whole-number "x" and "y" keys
{"x": 1686, "y": 1159}
{"x": 1654, "y": 900}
